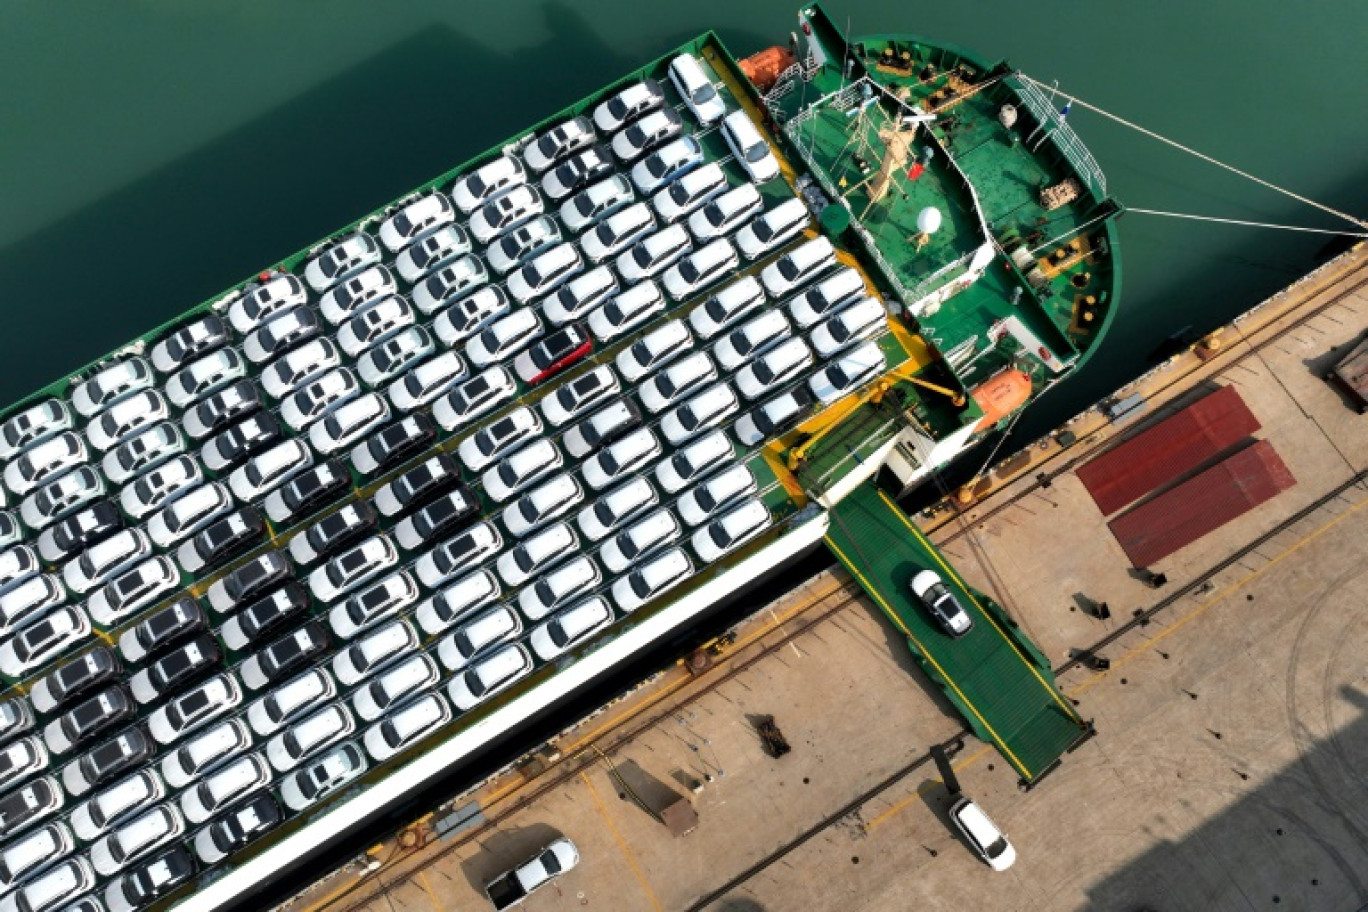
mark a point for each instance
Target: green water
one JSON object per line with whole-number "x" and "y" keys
{"x": 152, "y": 153}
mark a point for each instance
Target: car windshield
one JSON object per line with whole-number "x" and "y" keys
{"x": 838, "y": 377}
{"x": 640, "y": 587}
{"x": 657, "y": 166}
{"x": 403, "y": 224}
{"x": 714, "y": 215}
{"x": 789, "y": 269}
{"x": 704, "y": 94}
{"x": 719, "y": 535}
{"x": 764, "y": 373}
{"x": 764, "y": 232}
{"x": 528, "y": 509}
{"x": 604, "y": 513}
{"x": 756, "y": 152}
{"x": 689, "y": 272}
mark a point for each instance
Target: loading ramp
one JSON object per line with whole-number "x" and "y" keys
{"x": 994, "y": 675}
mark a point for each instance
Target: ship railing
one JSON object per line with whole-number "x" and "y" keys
{"x": 1064, "y": 136}
{"x": 942, "y": 276}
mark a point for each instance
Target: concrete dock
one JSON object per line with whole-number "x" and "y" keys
{"x": 1226, "y": 774}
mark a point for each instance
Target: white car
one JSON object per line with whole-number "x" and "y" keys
{"x": 399, "y": 682}
{"x": 580, "y": 295}
{"x": 521, "y": 468}
{"x": 862, "y": 365}
{"x": 474, "y": 397}
{"x": 569, "y": 627}
{"x": 647, "y": 133}
{"x": 130, "y": 841}
{"x": 697, "y": 90}
{"x": 204, "y": 703}
{"x": 700, "y": 269}
{"x": 391, "y": 357}
{"x": 456, "y": 601}
{"x": 291, "y": 699}
{"x": 16, "y": 565}
{"x": 666, "y": 387}
{"x": 500, "y": 175}
{"x": 322, "y": 777}
{"x": 477, "y": 635}
{"x": 724, "y": 212}
{"x": 293, "y": 369}
{"x": 489, "y": 675}
{"x": 447, "y": 283}
{"x": 221, "y": 409}
{"x": 270, "y": 468}
{"x": 653, "y": 253}
{"x": 798, "y": 267}
{"x": 427, "y": 381}
{"x": 341, "y": 301}
{"x": 616, "y": 507}
{"x": 541, "y": 505}
{"x": 351, "y": 254}
{"x": 264, "y": 298}
{"x": 43, "y": 640}
{"x": 353, "y": 567}
{"x": 851, "y": 324}
{"x": 111, "y": 383}
{"x": 577, "y": 171}
{"x": 420, "y": 258}
{"x": 132, "y": 590}
{"x": 643, "y": 537}
{"x": 189, "y": 761}
{"x": 189, "y": 513}
{"x": 30, "y": 600}
{"x": 469, "y": 315}
{"x": 558, "y": 143}
{"x": 348, "y": 423}
{"x": 626, "y": 311}
{"x": 727, "y": 306}
{"x": 537, "y": 553}
{"x": 731, "y": 530}
{"x": 33, "y": 852}
{"x": 125, "y": 418}
{"x": 307, "y": 405}
{"x": 142, "y": 452}
{"x": 416, "y": 218}
{"x": 748, "y": 340}
{"x": 480, "y": 449}
{"x": 309, "y": 736}
{"x": 471, "y": 548}
{"x": 281, "y": 332}
{"x": 617, "y": 231}
{"x": 702, "y": 412}
{"x": 92, "y": 818}
{"x": 694, "y": 461}
{"x": 775, "y": 367}
{"x": 373, "y": 604}
{"x": 595, "y": 202}
{"x": 374, "y": 651}
{"x": 45, "y": 461}
{"x": 627, "y": 104}
{"x": 238, "y": 779}
{"x": 570, "y": 400}
{"x": 67, "y": 881}
{"x": 506, "y": 212}
{"x": 601, "y": 428}
{"x": 652, "y": 578}
{"x": 545, "y": 271}
{"x": 374, "y": 324}
{"x": 407, "y": 726}
{"x": 652, "y": 350}
{"x": 627, "y": 456}
{"x": 61, "y": 496}
{"x": 200, "y": 378}
{"x": 689, "y": 192}
{"x": 187, "y": 342}
{"x": 514, "y": 248}
{"x": 749, "y": 147}
{"x": 558, "y": 586}
{"x": 667, "y": 163}
{"x": 21, "y": 759}
{"x": 985, "y": 836}
{"x": 826, "y": 297}
{"x": 772, "y": 229}
{"x": 152, "y": 491}
{"x": 700, "y": 503}
{"x": 35, "y": 423}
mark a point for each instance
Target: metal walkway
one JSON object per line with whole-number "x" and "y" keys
{"x": 995, "y": 676}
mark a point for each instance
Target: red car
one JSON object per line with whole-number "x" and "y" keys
{"x": 553, "y": 354}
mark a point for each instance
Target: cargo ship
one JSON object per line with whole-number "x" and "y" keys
{"x": 344, "y": 528}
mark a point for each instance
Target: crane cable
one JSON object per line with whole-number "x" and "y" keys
{"x": 1207, "y": 158}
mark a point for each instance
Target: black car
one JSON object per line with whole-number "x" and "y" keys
{"x": 390, "y": 445}
{"x": 308, "y": 490}
{"x": 241, "y": 440}
{"x": 125, "y": 751}
{"x": 226, "y": 405}
{"x": 222, "y": 539}
{"x": 284, "y": 655}
{"x": 189, "y": 342}
{"x": 181, "y": 618}
{"x": 249, "y": 581}
{"x": 437, "y": 517}
{"x": 333, "y": 531}
{"x": 19, "y": 808}
{"x": 79, "y": 531}
{"x": 74, "y": 678}
{"x": 176, "y": 669}
{"x": 417, "y": 485}
{"x": 582, "y": 169}
{"x": 236, "y": 827}
{"x": 264, "y": 615}
{"x": 154, "y": 878}
{"x": 107, "y": 708}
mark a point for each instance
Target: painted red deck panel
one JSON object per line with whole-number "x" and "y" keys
{"x": 1171, "y": 448}
{"x": 1202, "y": 504}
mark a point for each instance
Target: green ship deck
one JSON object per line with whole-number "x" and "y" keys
{"x": 993, "y": 675}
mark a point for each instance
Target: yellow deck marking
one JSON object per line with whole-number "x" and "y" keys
{"x": 622, "y": 844}
{"x": 427, "y": 888}
{"x": 893, "y": 615}
{"x": 925, "y": 787}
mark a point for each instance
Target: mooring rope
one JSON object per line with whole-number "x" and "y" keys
{"x": 1230, "y": 221}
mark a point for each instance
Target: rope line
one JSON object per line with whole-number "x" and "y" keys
{"x": 1230, "y": 221}
{"x": 1207, "y": 158}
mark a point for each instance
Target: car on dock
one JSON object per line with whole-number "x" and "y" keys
{"x": 510, "y": 889}
{"x": 942, "y": 604}
{"x": 987, "y": 839}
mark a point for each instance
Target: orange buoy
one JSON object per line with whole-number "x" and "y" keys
{"x": 1000, "y": 395}
{"x": 763, "y": 69}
